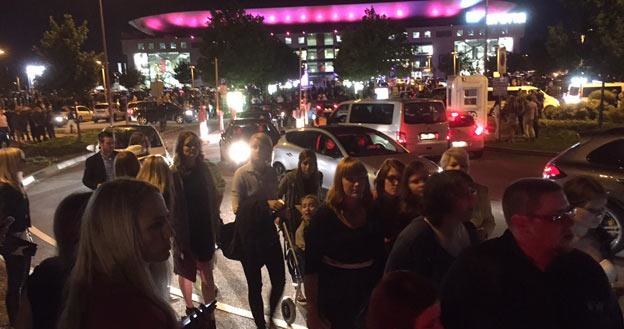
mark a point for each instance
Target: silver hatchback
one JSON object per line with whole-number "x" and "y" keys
{"x": 332, "y": 143}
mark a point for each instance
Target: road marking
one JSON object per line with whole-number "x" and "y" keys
{"x": 176, "y": 292}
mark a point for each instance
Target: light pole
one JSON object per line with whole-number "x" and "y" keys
{"x": 454, "y": 53}
{"x": 103, "y": 74}
{"x": 107, "y": 90}
{"x": 192, "y": 76}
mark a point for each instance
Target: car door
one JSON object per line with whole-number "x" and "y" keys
{"x": 327, "y": 156}
{"x": 297, "y": 141}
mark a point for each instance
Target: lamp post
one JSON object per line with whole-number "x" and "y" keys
{"x": 454, "y": 53}
{"x": 192, "y": 76}
{"x": 106, "y": 79}
{"x": 103, "y": 74}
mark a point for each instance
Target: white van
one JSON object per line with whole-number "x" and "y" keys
{"x": 579, "y": 92}
{"x": 420, "y": 125}
{"x": 550, "y": 102}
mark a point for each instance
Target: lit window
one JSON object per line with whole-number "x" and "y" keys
{"x": 329, "y": 39}
{"x": 471, "y": 33}
{"x": 304, "y": 54}
{"x": 416, "y": 35}
{"x": 312, "y": 68}
{"x": 338, "y": 38}
{"x": 150, "y": 46}
{"x": 301, "y": 40}
{"x": 288, "y": 40}
{"x": 312, "y": 40}
{"x": 329, "y": 67}
{"x": 141, "y": 46}
{"x": 162, "y": 45}
{"x": 312, "y": 55}
{"x": 329, "y": 53}
{"x": 183, "y": 45}
{"x": 173, "y": 45}
{"x": 427, "y": 34}
{"x": 417, "y": 64}
{"x": 460, "y": 33}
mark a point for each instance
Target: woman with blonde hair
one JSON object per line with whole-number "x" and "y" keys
{"x": 155, "y": 171}
{"x": 124, "y": 229}
{"x": 344, "y": 250}
{"x": 17, "y": 250}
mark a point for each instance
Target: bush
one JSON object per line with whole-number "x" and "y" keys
{"x": 613, "y": 114}
{"x": 610, "y": 97}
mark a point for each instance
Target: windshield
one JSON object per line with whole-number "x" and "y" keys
{"x": 424, "y": 112}
{"x": 122, "y": 136}
{"x": 368, "y": 143}
{"x": 373, "y": 113}
{"x": 573, "y": 91}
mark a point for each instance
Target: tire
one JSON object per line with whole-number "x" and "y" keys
{"x": 613, "y": 223}
{"x": 179, "y": 119}
{"x": 289, "y": 310}
{"x": 142, "y": 120}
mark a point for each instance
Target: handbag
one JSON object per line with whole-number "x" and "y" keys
{"x": 227, "y": 242}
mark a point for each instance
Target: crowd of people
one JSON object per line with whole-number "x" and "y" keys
{"x": 414, "y": 250}
{"x": 519, "y": 115}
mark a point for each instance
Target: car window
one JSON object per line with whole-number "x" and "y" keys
{"x": 368, "y": 143}
{"x": 303, "y": 139}
{"x": 458, "y": 120}
{"x": 609, "y": 155}
{"x": 423, "y": 112}
{"x": 326, "y": 145}
{"x": 122, "y": 136}
{"x": 372, "y": 113}
{"x": 340, "y": 115}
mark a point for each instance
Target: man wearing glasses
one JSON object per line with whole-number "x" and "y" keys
{"x": 530, "y": 277}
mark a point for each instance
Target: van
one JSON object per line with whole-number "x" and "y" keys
{"x": 550, "y": 103}
{"x": 579, "y": 92}
{"x": 420, "y": 125}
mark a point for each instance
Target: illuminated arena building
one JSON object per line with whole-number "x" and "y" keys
{"x": 436, "y": 28}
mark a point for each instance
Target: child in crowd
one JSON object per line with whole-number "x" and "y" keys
{"x": 309, "y": 205}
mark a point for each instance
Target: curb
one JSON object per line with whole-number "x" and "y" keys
{"x": 522, "y": 152}
{"x": 48, "y": 171}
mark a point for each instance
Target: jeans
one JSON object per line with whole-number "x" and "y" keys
{"x": 274, "y": 262}
{"x": 17, "y": 268}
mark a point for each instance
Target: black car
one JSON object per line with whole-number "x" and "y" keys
{"x": 234, "y": 147}
{"x": 150, "y": 111}
{"x": 600, "y": 155}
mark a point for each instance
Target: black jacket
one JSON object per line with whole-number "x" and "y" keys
{"x": 254, "y": 233}
{"x": 95, "y": 172}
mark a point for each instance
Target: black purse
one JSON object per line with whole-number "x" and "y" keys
{"x": 227, "y": 242}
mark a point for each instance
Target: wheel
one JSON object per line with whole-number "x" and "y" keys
{"x": 289, "y": 310}
{"x": 477, "y": 154}
{"x": 142, "y": 120}
{"x": 279, "y": 169}
{"x": 612, "y": 223}
{"x": 179, "y": 119}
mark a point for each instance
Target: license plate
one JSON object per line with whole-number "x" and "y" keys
{"x": 428, "y": 136}
{"x": 459, "y": 144}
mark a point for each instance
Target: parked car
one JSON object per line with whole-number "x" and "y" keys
{"x": 420, "y": 124}
{"x": 465, "y": 132}
{"x": 145, "y": 112}
{"x": 100, "y": 112}
{"x": 332, "y": 143}
{"x": 234, "y": 147}
{"x": 600, "y": 155}
{"x": 60, "y": 118}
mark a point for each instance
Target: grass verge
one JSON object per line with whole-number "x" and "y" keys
{"x": 41, "y": 155}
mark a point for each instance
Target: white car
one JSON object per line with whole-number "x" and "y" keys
{"x": 332, "y": 143}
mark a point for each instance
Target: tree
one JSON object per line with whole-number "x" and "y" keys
{"x": 374, "y": 47}
{"x": 70, "y": 71}
{"x": 247, "y": 53}
{"x": 462, "y": 64}
{"x": 131, "y": 78}
{"x": 182, "y": 72}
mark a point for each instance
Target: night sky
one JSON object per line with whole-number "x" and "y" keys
{"x": 22, "y": 22}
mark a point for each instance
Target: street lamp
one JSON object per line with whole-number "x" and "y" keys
{"x": 192, "y": 76}
{"x": 2, "y": 52}
{"x": 103, "y": 74}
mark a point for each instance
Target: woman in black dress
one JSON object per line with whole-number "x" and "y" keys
{"x": 386, "y": 206}
{"x": 344, "y": 251}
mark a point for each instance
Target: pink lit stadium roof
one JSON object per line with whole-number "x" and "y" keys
{"x": 340, "y": 13}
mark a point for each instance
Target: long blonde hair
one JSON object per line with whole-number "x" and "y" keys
{"x": 10, "y": 159}
{"x": 155, "y": 171}
{"x": 110, "y": 250}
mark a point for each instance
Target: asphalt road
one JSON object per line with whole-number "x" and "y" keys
{"x": 495, "y": 170}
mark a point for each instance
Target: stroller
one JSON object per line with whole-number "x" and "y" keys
{"x": 289, "y": 304}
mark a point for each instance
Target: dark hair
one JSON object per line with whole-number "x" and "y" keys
{"x": 126, "y": 164}
{"x": 138, "y": 138}
{"x": 67, "y": 220}
{"x": 398, "y": 300}
{"x": 315, "y": 177}
{"x": 383, "y": 173}
{"x": 104, "y": 134}
{"x": 179, "y": 154}
{"x": 411, "y": 204}
{"x": 583, "y": 189}
{"x": 524, "y": 196}
{"x": 441, "y": 192}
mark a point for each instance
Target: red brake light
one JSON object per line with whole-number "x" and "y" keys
{"x": 335, "y": 106}
{"x": 479, "y": 130}
{"x": 401, "y": 138}
{"x": 552, "y": 172}
{"x": 318, "y": 107}
{"x": 454, "y": 115}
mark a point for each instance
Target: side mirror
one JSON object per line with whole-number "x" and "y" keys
{"x": 91, "y": 148}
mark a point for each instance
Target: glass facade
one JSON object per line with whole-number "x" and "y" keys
{"x": 160, "y": 65}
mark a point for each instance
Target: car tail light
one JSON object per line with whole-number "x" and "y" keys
{"x": 552, "y": 172}
{"x": 401, "y": 138}
{"x": 318, "y": 107}
{"x": 454, "y": 115}
{"x": 335, "y": 106}
{"x": 449, "y": 135}
{"x": 479, "y": 130}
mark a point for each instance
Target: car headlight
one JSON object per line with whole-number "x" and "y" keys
{"x": 188, "y": 112}
{"x": 239, "y": 152}
{"x": 58, "y": 119}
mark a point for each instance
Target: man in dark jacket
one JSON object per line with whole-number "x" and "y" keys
{"x": 99, "y": 167}
{"x": 530, "y": 277}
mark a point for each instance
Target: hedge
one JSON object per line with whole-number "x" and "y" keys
{"x": 587, "y": 111}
